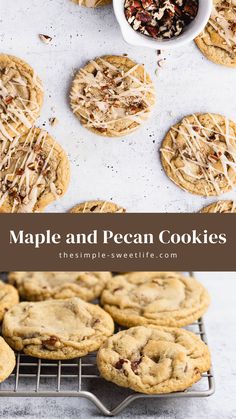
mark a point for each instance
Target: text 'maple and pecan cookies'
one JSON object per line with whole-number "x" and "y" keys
{"x": 199, "y": 154}
{"x": 7, "y": 360}
{"x": 153, "y": 360}
{"x": 34, "y": 171}
{"x": 21, "y": 97}
{"x": 38, "y": 286}
{"x": 222, "y": 207}
{"x": 218, "y": 40}
{"x": 92, "y": 3}
{"x": 8, "y": 298}
{"x": 112, "y": 95}
{"x": 97, "y": 207}
{"x": 57, "y": 329}
{"x": 160, "y": 298}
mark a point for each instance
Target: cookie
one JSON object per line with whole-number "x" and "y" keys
{"x": 21, "y": 97}
{"x": 222, "y": 207}
{"x": 97, "y": 206}
{"x": 34, "y": 171}
{"x": 92, "y": 3}
{"x": 153, "y": 360}
{"x": 160, "y": 298}
{"x": 38, "y": 286}
{"x": 57, "y": 329}
{"x": 218, "y": 40}
{"x": 8, "y": 298}
{"x": 199, "y": 154}
{"x": 112, "y": 95}
{"x": 7, "y": 360}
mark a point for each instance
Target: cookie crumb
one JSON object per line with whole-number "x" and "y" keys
{"x": 53, "y": 121}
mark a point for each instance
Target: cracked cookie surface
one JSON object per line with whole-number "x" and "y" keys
{"x": 218, "y": 40}
{"x": 37, "y": 286}
{"x": 222, "y": 207}
{"x": 8, "y": 298}
{"x": 21, "y": 97}
{"x": 7, "y": 360}
{"x": 199, "y": 154}
{"x": 153, "y": 360}
{"x": 34, "y": 171}
{"x": 57, "y": 329}
{"x": 97, "y": 207}
{"x": 160, "y": 298}
{"x": 92, "y": 3}
{"x": 112, "y": 95}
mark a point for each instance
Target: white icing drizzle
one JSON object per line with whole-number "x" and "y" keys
{"x": 225, "y": 207}
{"x": 25, "y": 171}
{"x": 206, "y": 155}
{"x": 224, "y": 25}
{"x": 17, "y": 106}
{"x": 111, "y": 95}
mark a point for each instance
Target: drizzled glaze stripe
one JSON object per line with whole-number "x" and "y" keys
{"x": 205, "y": 155}
{"x": 112, "y": 95}
{"x": 27, "y": 171}
{"x": 20, "y": 97}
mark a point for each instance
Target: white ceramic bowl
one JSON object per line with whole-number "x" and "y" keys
{"x": 190, "y": 32}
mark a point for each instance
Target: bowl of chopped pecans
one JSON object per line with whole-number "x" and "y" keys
{"x": 161, "y": 24}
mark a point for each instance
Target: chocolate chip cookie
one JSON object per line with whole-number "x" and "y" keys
{"x": 218, "y": 40}
{"x": 153, "y": 360}
{"x": 160, "y": 298}
{"x": 34, "y": 171}
{"x": 38, "y": 286}
{"x": 112, "y": 95}
{"x": 7, "y": 360}
{"x": 199, "y": 154}
{"x": 8, "y": 298}
{"x": 57, "y": 329}
{"x": 21, "y": 97}
{"x": 97, "y": 207}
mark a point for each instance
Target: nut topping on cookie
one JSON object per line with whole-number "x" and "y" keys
{"x": 21, "y": 97}
{"x": 112, "y": 95}
{"x": 201, "y": 161}
{"x": 218, "y": 40}
{"x": 34, "y": 171}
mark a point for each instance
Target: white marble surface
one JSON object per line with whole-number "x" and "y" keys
{"x": 128, "y": 169}
{"x": 220, "y": 326}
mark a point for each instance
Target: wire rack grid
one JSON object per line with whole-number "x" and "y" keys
{"x": 80, "y": 378}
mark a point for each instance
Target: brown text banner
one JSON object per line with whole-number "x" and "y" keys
{"x": 117, "y": 242}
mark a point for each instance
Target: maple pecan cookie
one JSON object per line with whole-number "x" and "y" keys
{"x": 112, "y": 95}
{"x": 7, "y": 360}
{"x": 199, "y": 154}
{"x": 97, "y": 207}
{"x": 38, "y": 286}
{"x": 221, "y": 207}
{"x": 218, "y": 40}
{"x": 153, "y": 360}
{"x": 160, "y": 298}
{"x": 57, "y": 329}
{"x": 34, "y": 171}
{"x": 92, "y": 3}
{"x": 8, "y": 298}
{"x": 21, "y": 97}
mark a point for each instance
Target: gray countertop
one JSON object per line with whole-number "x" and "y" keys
{"x": 220, "y": 324}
